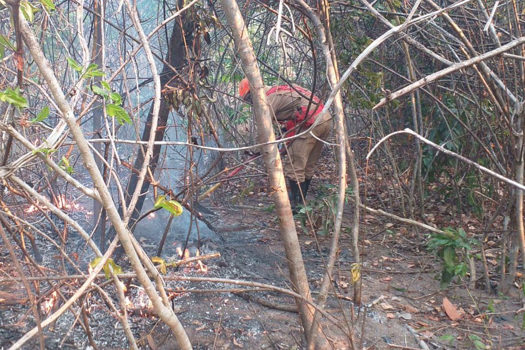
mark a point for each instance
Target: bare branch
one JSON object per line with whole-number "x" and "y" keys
{"x": 450, "y": 153}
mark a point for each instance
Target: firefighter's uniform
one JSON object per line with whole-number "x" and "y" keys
{"x": 291, "y": 107}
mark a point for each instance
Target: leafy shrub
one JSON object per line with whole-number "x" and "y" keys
{"x": 453, "y": 248}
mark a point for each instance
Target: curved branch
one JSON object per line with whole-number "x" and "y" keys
{"x": 450, "y": 153}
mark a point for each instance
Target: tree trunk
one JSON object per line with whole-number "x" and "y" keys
{"x": 176, "y": 58}
{"x": 99, "y": 215}
{"x": 272, "y": 161}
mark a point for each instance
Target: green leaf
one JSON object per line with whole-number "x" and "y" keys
{"x": 476, "y": 341}
{"x": 105, "y": 85}
{"x": 172, "y": 206}
{"x": 28, "y": 10}
{"x": 449, "y": 256}
{"x": 447, "y": 338}
{"x": 74, "y": 64}
{"x": 99, "y": 91}
{"x": 44, "y": 150}
{"x": 13, "y": 97}
{"x": 42, "y": 115}
{"x": 48, "y": 4}
{"x": 4, "y": 41}
{"x": 116, "y": 98}
{"x": 490, "y": 306}
{"x": 64, "y": 164}
{"x": 446, "y": 278}
{"x": 93, "y": 71}
{"x": 118, "y": 113}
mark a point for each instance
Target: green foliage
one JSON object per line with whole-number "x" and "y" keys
{"x": 48, "y": 5}
{"x": 42, "y": 115}
{"x": 13, "y": 97}
{"x": 64, "y": 164}
{"x": 448, "y": 338}
{"x": 270, "y": 208}
{"x": 490, "y": 306}
{"x": 321, "y": 209}
{"x": 44, "y": 150}
{"x": 243, "y": 115}
{"x": 113, "y": 102}
{"x": 119, "y": 113}
{"x": 453, "y": 247}
{"x": 91, "y": 71}
{"x": 477, "y": 342}
{"x": 101, "y": 91}
{"x": 74, "y": 64}
{"x": 28, "y": 10}
{"x": 5, "y": 43}
{"x": 171, "y": 205}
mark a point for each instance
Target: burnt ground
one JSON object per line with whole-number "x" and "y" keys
{"x": 401, "y": 296}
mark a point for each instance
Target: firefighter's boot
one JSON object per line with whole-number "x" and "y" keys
{"x": 294, "y": 195}
{"x": 304, "y": 187}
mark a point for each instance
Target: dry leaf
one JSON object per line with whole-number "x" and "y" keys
{"x": 426, "y": 334}
{"x": 386, "y": 306}
{"x": 451, "y": 310}
{"x": 411, "y": 309}
{"x": 237, "y": 343}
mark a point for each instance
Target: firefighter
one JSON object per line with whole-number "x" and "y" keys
{"x": 295, "y": 109}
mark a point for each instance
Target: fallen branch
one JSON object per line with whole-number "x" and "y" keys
{"x": 401, "y": 219}
{"x": 264, "y": 286}
{"x": 290, "y": 307}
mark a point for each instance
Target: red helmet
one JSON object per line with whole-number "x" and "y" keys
{"x": 244, "y": 88}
